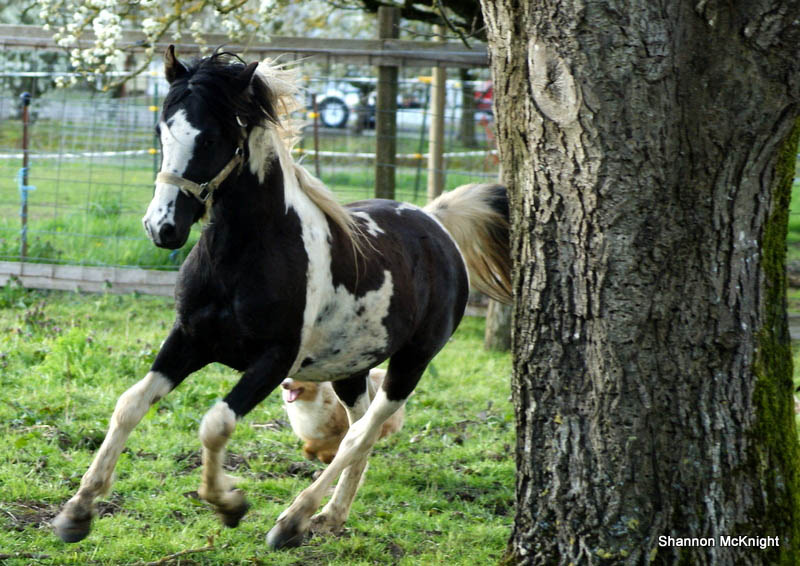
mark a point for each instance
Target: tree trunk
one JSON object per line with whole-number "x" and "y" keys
{"x": 648, "y": 150}
{"x": 497, "y": 335}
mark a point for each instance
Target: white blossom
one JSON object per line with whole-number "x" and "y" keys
{"x": 71, "y": 21}
{"x": 150, "y": 26}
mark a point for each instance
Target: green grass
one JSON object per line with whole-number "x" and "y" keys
{"x": 439, "y": 492}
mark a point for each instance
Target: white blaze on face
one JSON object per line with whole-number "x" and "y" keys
{"x": 177, "y": 147}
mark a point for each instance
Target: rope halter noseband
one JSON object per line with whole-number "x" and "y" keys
{"x": 202, "y": 191}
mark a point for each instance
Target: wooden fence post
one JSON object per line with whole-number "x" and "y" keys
{"x": 386, "y": 111}
{"x": 436, "y": 132}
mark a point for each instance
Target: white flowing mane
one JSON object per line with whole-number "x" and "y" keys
{"x": 284, "y": 87}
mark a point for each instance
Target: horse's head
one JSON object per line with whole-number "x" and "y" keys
{"x": 207, "y": 115}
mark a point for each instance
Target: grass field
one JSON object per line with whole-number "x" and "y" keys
{"x": 439, "y": 492}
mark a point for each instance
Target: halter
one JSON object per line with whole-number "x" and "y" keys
{"x": 201, "y": 191}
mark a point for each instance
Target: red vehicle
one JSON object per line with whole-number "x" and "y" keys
{"x": 484, "y": 97}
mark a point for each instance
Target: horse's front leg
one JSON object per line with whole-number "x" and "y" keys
{"x": 216, "y": 428}
{"x": 174, "y": 362}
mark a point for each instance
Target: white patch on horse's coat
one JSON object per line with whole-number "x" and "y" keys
{"x": 177, "y": 143}
{"x": 345, "y": 331}
{"x": 372, "y": 226}
{"x": 177, "y": 146}
{"x": 161, "y": 209}
{"x": 340, "y": 331}
{"x": 406, "y": 206}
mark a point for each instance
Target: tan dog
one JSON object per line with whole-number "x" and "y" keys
{"x": 319, "y": 419}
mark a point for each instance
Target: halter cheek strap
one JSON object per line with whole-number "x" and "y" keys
{"x": 201, "y": 191}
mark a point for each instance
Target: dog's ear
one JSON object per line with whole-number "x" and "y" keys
{"x": 173, "y": 69}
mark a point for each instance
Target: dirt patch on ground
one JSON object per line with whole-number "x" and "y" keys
{"x": 26, "y": 514}
{"x": 110, "y": 507}
{"x": 188, "y": 462}
{"x": 21, "y": 515}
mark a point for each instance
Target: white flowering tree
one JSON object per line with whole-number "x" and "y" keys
{"x": 102, "y": 22}
{"x": 18, "y": 68}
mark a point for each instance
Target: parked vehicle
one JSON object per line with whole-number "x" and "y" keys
{"x": 338, "y": 102}
{"x": 484, "y": 96}
{"x": 335, "y": 101}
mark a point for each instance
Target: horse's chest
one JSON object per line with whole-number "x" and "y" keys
{"x": 235, "y": 326}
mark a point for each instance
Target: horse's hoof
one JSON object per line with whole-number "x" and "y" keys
{"x": 286, "y": 534}
{"x": 72, "y": 529}
{"x": 230, "y": 518}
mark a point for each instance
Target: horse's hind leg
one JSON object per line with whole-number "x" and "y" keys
{"x": 354, "y": 395}
{"x": 353, "y": 451}
{"x": 216, "y": 428}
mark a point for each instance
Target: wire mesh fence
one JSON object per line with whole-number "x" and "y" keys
{"x": 93, "y": 155}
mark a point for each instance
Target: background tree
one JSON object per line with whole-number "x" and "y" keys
{"x": 19, "y": 67}
{"x": 649, "y": 149}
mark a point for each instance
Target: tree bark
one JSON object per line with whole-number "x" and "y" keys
{"x": 648, "y": 149}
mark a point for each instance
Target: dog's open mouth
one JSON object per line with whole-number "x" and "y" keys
{"x": 293, "y": 394}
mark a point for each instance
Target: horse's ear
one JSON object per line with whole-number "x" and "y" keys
{"x": 173, "y": 69}
{"x": 246, "y": 75}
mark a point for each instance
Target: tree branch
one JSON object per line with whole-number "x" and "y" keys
{"x": 443, "y": 13}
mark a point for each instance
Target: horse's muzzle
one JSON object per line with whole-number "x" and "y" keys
{"x": 164, "y": 235}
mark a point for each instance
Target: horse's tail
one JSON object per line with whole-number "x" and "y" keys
{"x": 477, "y": 218}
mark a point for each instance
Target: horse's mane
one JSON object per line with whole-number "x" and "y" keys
{"x": 282, "y": 84}
{"x": 269, "y": 101}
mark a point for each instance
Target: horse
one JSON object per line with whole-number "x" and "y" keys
{"x": 286, "y": 282}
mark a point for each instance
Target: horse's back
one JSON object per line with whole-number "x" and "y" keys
{"x": 427, "y": 265}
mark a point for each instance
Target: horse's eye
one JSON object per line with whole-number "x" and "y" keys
{"x": 208, "y": 142}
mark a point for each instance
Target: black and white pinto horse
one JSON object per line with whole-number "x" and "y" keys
{"x": 284, "y": 281}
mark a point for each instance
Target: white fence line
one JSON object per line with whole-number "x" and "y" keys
{"x": 73, "y": 155}
{"x": 88, "y": 278}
